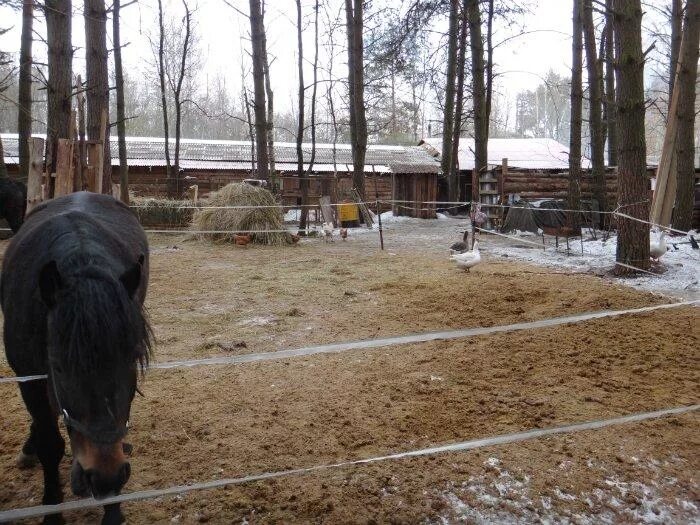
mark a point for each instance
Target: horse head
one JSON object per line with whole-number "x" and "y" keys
{"x": 98, "y": 339}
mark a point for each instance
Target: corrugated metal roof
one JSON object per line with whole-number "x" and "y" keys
{"x": 231, "y": 154}
{"x": 539, "y": 153}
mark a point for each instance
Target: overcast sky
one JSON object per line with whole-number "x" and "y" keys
{"x": 521, "y": 62}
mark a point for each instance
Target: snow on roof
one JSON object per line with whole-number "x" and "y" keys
{"x": 534, "y": 154}
{"x": 236, "y": 154}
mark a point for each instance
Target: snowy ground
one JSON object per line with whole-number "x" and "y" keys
{"x": 678, "y": 271}
{"x": 676, "y": 275}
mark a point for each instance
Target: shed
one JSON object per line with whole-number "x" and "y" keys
{"x": 415, "y": 190}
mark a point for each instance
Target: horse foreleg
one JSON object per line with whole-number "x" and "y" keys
{"x": 27, "y": 457}
{"x": 47, "y": 441}
{"x": 113, "y": 515}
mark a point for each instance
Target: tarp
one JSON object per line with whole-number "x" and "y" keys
{"x": 531, "y": 216}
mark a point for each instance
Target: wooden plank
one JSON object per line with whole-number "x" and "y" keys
{"x": 36, "y": 173}
{"x": 64, "y": 168}
{"x": 326, "y": 209}
{"x": 93, "y": 155}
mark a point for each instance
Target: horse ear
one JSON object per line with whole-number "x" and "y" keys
{"x": 50, "y": 282}
{"x": 131, "y": 279}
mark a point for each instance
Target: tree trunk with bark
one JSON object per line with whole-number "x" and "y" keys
{"x": 676, "y": 37}
{"x": 169, "y": 177}
{"x": 610, "y": 116}
{"x": 97, "y": 81}
{"x": 303, "y": 178}
{"x": 121, "y": 113}
{"x": 358, "y": 123}
{"x": 24, "y": 97}
{"x": 453, "y": 173}
{"x": 448, "y": 116}
{"x": 270, "y": 112}
{"x": 685, "y": 153}
{"x": 595, "y": 123}
{"x": 3, "y": 168}
{"x": 257, "y": 34}
{"x": 60, "y": 55}
{"x": 633, "y": 185}
{"x": 481, "y": 119}
{"x": 177, "y": 98}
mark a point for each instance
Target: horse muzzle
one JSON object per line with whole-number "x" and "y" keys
{"x": 97, "y": 483}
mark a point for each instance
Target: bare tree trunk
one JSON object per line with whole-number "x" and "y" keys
{"x": 303, "y": 177}
{"x": 481, "y": 119}
{"x": 595, "y": 106}
{"x": 314, "y": 91}
{"x": 685, "y": 156}
{"x": 676, "y": 36}
{"x": 358, "y": 122}
{"x": 58, "y": 34}
{"x": 97, "y": 81}
{"x": 121, "y": 113}
{"x": 178, "y": 98}
{"x": 574, "y": 195}
{"x": 453, "y": 174}
{"x": 633, "y": 185}
{"x": 3, "y": 168}
{"x": 489, "y": 66}
{"x": 24, "y": 97}
{"x": 171, "y": 183}
{"x": 448, "y": 115}
{"x": 610, "y": 116}
{"x": 270, "y": 111}
{"x": 257, "y": 32}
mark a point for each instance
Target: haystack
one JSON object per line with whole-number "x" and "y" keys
{"x": 259, "y": 213}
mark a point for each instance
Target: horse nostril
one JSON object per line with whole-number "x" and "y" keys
{"x": 124, "y": 474}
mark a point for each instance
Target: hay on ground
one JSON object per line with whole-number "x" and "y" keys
{"x": 260, "y": 220}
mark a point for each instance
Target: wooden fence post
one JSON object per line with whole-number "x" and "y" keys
{"x": 36, "y": 173}
{"x": 64, "y": 168}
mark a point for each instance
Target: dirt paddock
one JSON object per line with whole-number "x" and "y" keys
{"x": 205, "y": 423}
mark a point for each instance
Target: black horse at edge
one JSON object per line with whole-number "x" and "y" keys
{"x": 13, "y": 202}
{"x": 73, "y": 283}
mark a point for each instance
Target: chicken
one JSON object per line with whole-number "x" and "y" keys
{"x": 295, "y": 238}
{"x": 241, "y": 240}
{"x": 467, "y": 260}
{"x": 343, "y": 233}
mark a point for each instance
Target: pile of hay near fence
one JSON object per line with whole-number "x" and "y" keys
{"x": 162, "y": 213}
{"x": 242, "y": 209}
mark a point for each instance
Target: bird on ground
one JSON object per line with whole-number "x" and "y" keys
{"x": 467, "y": 260}
{"x": 241, "y": 240}
{"x": 462, "y": 246}
{"x": 658, "y": 247}
{"x": 328, "y": 231}
{"x": 343, "y": 233}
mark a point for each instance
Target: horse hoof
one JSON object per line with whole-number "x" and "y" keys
{"x": 54, "y": 519}
{"x": 25, "y": 461}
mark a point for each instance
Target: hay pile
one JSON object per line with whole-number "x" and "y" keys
{"x": 240, "y": 220}
{"x": 162, "y": 213}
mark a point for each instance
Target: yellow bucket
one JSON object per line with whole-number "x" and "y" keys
{"x": 348, "y": 212}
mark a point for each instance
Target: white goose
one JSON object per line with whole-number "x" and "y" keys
{"x": 658, "y": 247}
{"x": 469, "y": 259}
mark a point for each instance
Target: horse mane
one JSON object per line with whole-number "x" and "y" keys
{"x": 97, "y": 325}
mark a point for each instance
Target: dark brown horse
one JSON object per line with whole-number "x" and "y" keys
{"x": 73, "y": 283}
{"x": 13, "y": 202}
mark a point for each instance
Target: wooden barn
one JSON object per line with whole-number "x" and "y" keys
{"x": 211, "y": 164}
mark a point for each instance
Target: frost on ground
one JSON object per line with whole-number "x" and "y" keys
{"x": 678, "y": 270}
{"x": 501, "y": 496}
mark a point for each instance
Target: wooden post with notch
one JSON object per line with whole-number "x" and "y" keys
{"x": 64, "y": 168}
{"x": 36, "y": 173}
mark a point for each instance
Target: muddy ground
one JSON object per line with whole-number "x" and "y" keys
{"x": 211, "y": 422}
